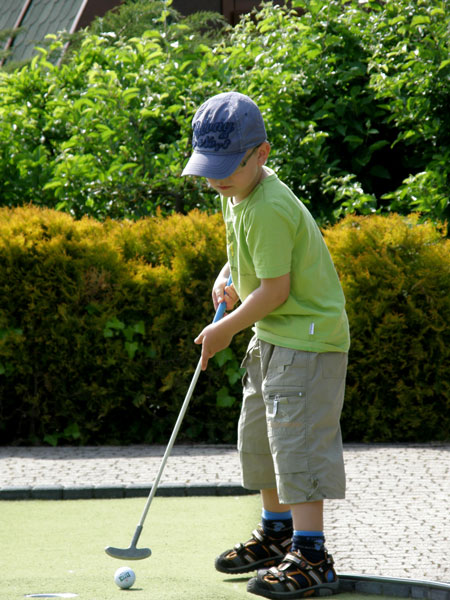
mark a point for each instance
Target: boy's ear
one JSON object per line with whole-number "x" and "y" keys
{"x": 263, "y": 153}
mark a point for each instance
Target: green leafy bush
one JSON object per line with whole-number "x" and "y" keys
{"x": 354, "y": 94}
{"x": 101, "y": 135}
{"x": 132, "y": 18}
{"x": 396, "y": 277}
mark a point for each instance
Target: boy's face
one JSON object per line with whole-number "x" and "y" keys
{"x": 246, "y": 177}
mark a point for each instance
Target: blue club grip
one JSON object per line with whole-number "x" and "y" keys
{"x": 222, "y": 306}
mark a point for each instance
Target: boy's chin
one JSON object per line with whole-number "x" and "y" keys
{"x": 224, "y": 192}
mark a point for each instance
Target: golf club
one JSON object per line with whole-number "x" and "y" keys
{"x": 132, "y": 552}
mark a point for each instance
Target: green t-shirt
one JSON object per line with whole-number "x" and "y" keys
{"x": 272, "y": 233}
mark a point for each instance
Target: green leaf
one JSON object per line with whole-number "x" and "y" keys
{"x": 128, "y": 333}
{"x": 139, "y": 327}
{"x": 355, "y": 140}
{"x": 131, "y": 348}
{"x": 203, "y": 48}
{"x": 398, "y": 19}
{"x": 444, "y": 64}
{"x": 72, "y": 431}
{"x": 84, "y": 102}
{"x": 378, "y": 145}
{"x": 314, "y": 53}
{"x": 409, "y": 134}
{"x": 234, "y": 373}
{"x": 224, "y": 356}
{"x": 52, "y": 185}
{"x": 114, "y": 323}
{"x": 420, "y": 20}
{"x": 223, "y": 398}
{"x": 52, "y": 439}
{"x": 151, "y": 33}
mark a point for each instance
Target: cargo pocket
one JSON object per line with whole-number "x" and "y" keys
{"x": 287, "y": 370}
{"x": 286, "y": 427}
{"x": 285, "y": 413}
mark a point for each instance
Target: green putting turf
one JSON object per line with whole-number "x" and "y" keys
{"x": 57, "y": 547}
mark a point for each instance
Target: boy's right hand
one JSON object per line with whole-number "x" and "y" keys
{"x": 221, "y": 291}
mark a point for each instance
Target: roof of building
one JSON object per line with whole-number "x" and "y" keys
{"x": 9, "y": 13}
{"x": 37, "y": 18}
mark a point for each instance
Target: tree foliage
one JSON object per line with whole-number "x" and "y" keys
{"x": 354, "y": 95}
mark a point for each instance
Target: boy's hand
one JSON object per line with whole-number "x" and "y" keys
{"x": 222, "y": 291}
{"x": 213, "y": 338}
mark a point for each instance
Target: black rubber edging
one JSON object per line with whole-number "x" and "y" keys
{"x": 388, "y": 586}
{"x": 50, "y": 492}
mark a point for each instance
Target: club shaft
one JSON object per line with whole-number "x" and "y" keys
{"x": 136, "y": 536}
{"x": 219, "y": 314}
{"x": 170, "y": 444}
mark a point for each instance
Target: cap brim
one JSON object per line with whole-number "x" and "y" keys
{"x": 213, "y": 166}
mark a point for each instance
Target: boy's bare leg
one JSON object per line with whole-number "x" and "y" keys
{"x": 270, "y": 501}
{"x": 306, "y": 516}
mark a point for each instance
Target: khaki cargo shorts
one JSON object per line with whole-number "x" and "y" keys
{"x": 289, "y": 435}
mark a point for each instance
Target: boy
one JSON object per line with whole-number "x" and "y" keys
{"x": 289, "y": 438}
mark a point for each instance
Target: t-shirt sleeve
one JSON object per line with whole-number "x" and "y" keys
{"x": 271, "y": 231}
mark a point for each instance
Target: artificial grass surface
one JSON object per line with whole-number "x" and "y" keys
{"x": 58, "y": 547}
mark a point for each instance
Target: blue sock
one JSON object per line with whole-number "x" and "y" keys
{"x": 277, "y": 524}
{"x": 310, "y": 543}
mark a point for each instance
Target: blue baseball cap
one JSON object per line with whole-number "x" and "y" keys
{"x": 224, "y": 128}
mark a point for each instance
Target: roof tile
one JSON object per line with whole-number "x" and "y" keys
{"x": 43, "y": 17}
{"x": 9, "y": 13}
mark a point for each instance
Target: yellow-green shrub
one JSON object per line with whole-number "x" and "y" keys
{"x": 97, "y": 324}
{"x": 396, "y": 277}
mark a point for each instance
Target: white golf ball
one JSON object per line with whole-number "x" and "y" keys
{"x": 124, "y": 577}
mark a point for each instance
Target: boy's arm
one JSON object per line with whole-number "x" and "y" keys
{"x": 267, "y": 297}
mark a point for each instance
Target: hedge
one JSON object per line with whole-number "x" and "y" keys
{"x": 97, "y": 322}
{"x": 396, "y": 278}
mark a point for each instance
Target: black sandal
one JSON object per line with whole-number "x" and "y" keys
{"x": 260, "y": 552}
{"x": 279, "y": 583}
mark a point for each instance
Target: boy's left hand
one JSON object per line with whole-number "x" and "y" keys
{"x": 213, "y": 338}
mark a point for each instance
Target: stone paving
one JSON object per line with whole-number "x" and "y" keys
{"x": 395, "y": 521}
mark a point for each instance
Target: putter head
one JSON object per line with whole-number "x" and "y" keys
{"x": 131, "y": 553}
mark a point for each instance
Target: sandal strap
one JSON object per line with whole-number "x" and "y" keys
{"x": 295, "y": 558}
{"x": 242, "y": 546}
{"x": 258, "y": 534}
{"x": 244, "y": 550}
